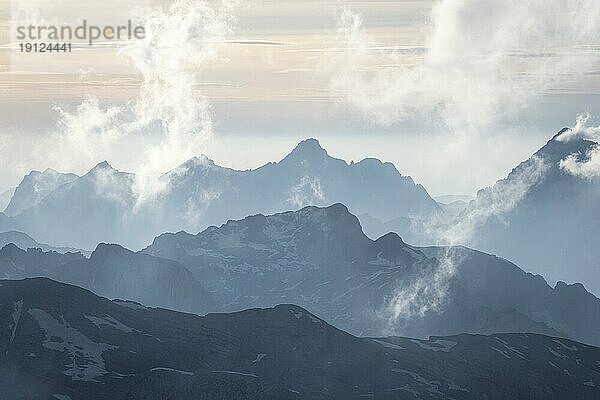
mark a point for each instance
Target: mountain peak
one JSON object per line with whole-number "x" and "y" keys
{"x": 310, "y": 143}
{"x": 199, "y": 161}
{"x": 104, "y": 250}
{"x": 560, "y": 133}
{"x": 102, "y": 165}
{"x": 102, "y": 168}
{"x": 195, "y": 166}
{"x": 50, "y": 171}
{"x": 10, "y": 249}
{"x": 308, "y": 149}
{"x": 563, "y": 144}
{"x": 32, "y": 173}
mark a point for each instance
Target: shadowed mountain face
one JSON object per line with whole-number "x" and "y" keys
{"x": 554, "y": 229}
{"x": 107, "y": 205}
{"x": 320, "y": 259}
{"x": 114, "y": 272}
{"x": 60, "y": 341}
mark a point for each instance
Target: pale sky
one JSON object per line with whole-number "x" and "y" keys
{"x": 452, "y": 104}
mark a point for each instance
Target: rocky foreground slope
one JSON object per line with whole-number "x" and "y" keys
{"x": 62, "y": 342}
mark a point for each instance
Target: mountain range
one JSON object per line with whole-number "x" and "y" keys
{"x": 540, "y": 216}
{"x": 107, "y": 205}
{"x": 62, "y": 342}
{"x": 320, "y": 259}
{"x": 466, "y": 324}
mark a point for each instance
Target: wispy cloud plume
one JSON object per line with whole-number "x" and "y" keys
{"x": 484, "y": 59}
{"x": 170, "y": 120}
{"x": 170, "y": 58}
{"x": 307, "y": 192}
{"x": 493, "y": 202}
{"x": 428, "y": 291}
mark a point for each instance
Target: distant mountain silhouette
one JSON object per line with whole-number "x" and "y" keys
{"x": 34, "y": 187}
{"x": 106, "y": 205}
{"x": 319, "y": 258}
{"x": 24, "y": 241}
{"x": 97, "y": 207}
{"x": 60, "y": 341}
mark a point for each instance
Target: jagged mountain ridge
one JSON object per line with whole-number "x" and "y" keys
{"x": 107, "y": 205}
{"x": 60, "y": 341}
{"x": 320, "y": 259}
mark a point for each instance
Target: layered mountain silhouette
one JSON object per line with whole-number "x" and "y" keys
{"x": 24, "y": 241}
{"x": 106, "y": 205}
{"x": 112, "y": 271}
{"x": 554, "y": 229}
{"x": 319, "y": 258}
{"x": 60, "y": 341}
{"x": 540, "y": 216}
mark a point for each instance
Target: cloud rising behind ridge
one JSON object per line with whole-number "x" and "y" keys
{"x": 169, "y": 121}
{"x": 429, "y": 291}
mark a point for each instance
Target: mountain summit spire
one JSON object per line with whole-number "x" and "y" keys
{"x": 309, "y": 149}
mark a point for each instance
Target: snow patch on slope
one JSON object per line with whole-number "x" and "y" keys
{"x": 87, "y": 363}
{"x": 110, "y": 321}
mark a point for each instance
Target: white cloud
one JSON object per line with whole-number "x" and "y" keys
{"x": 170, "y": 120}
{"x": 177, "y": 43}
{"x": 307, "y": 192}
{"x": 484, "y": 59}
{"x": 87, "y": 132}
{"x": 589, "y": 166}
{"x": 427, "y": 292}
